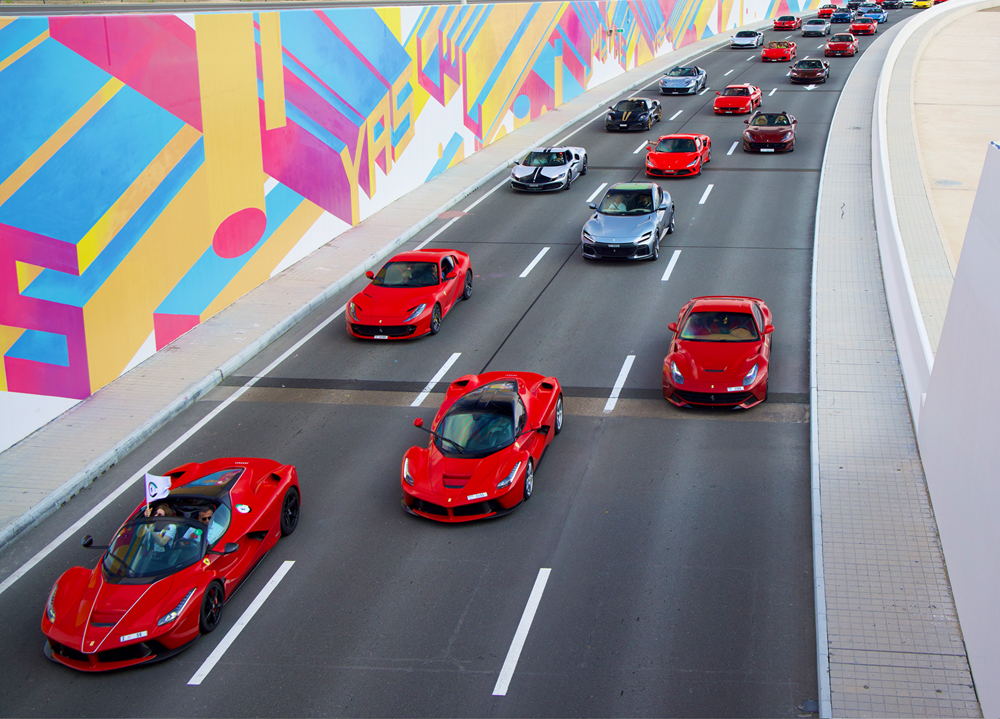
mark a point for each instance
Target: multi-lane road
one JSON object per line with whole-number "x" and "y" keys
{"x": 677, "y": 543}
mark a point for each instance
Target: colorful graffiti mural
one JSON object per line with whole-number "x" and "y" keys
{"x": 155, "y": 168}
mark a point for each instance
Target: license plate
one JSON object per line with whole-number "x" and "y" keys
{"x": 476, "y": 496}
{"x": 624, "y": 124}
{"x": 729, "y": 112}
{"x": 130, "y": 637}
{"x": 614, "y": 246}
{"x": 735, "y": 389}
{"x": 767, "y": 149}
{"x": 381, "y": 337}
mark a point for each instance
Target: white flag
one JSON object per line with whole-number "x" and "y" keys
{"x": 156, "y": 487}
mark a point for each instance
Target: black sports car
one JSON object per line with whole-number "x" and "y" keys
{"x": 635, "y": 113}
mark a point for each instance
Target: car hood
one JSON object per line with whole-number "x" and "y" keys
{"x": 375, "y": 301}
{"x": 808, "y": 71}
{"x": 840, "y": 43}
{"x": 537, "y": 174}
{"x": 620, "y": 227}
{"x": 743, "y": 41}
{"x": 769, "y": 131}
{"x": 455, "y": 478}
{"x": 672, "y": 160}
{"x": 732, "y": 101}
{"x": 677, "y": 81}
{"x": 624, "y": 116}
{"x": 722, "y": 362}
{"x": 777, "y": 50}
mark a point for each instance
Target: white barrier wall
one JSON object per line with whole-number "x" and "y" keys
{"x": 959, "y": 437}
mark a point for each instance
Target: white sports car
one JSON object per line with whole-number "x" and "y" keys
{"x": 747, "y": 38}
{"x": 549, "y": 168}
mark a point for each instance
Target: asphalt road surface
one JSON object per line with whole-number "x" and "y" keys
{"x": 677, "y": 543}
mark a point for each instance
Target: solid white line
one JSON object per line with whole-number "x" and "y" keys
{"x": 240, "y": 625}
{"x": 641, "y": 147}
{"x": 674, "y": 116}
{"x": 443, "y": 227}
{"x": 732, "y": 148}
{"x": 619, "y": 383}
{"x": 708, "y": 191}
{"x": 77, "y": 525}
{"x": 435, "y": 379}
{"x": 772, "y": 92}
{"x": 670, "y": 266}
{"x": 487, "y": 194}
{"x": 534, "y": 262}
{"x": 597, "y": 192}
{"x": 728, "y": 73}
{"x": 523, "y": 627}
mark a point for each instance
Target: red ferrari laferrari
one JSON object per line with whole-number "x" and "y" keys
{"x": 486, "y": 441}
{"x": 778, "y": 50}
{"x": 678, "y": 155}
{"x": 737, "y": 99}
{"x": 163, "y": 580}
{"x": 719, "y": 354}
{"x": 410, "y": 295}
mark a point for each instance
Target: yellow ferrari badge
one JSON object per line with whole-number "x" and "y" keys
{"x": 206, "y": 561}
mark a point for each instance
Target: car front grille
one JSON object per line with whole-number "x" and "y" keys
{"x": 130, "y": 652}
{"x": 714, "y": 400}
{"x": 767, "y": 145}
{"x": 67, "y": 652}
{"x": 623, "y": 252}
{"x": 387, "y": 330}
{"x": 676, "y": 90}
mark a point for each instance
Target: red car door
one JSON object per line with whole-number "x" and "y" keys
{"x": 452, "y": 287}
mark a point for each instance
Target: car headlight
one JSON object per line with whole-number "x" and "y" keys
{"x": 751, "y": 376}
{"x": 675, "y": 374}
{"x": 649, "y": 160}
{"x": 693, "y": 162}
{"x": 175, "y": 612}
{"x": 747, "y": 135}
{"x": 416, "y": 312}
{"x": 406, "y": 471}
{"x": 587, "y": 237}
{"x": 609, "y": 118}
{"x": 50, "y": 608}
{"x": 643, "y": 116}
{"x": 352, "y": 310}
{"x": 645, "y": 236}
{"x": 509, "y": 478}
{"x": 786, "y": 137}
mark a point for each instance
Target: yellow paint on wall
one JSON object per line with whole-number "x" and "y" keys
{"x": 5, "y": 21}
{"x": 703, "y": 16}
{"x": 23, "y": 50}
{"x": 59, "y": 138}
{"x": 8, "y": 336}
{"x": 26, "y": 274}
{"x": 119, "y": 317}
{"x": 393, "y": 19}
{"x": 230, "y": 113}
{"x": 274, "y": 70}
{"x": 258, "y": 268}
{"x": 106, "y": 228}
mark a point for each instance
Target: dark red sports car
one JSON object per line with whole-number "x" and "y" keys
{"x": 842, "y": 44}
{"x": 769, "y": 132}
{"x": 410, "y": 295}
{"x": 778, "y": 50}
{"x": 719, "y": 354}
{"x": 486, "y": 441}
{"x": 678, "y": 155}
{"x": 811, "y": 71}
{"x": 164, "y": 578}
{"x": 787, "y": 22}
{"x": 737, "y": 99}
{"x": 825, "y": 11}
{"x": 864, "y": 26}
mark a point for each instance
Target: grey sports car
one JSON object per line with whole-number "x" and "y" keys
{"x": 747, "y": 38}
{"x": 683, "y": 81}
{"x": 629, "y": 222}
{"x": 549, "y": 168}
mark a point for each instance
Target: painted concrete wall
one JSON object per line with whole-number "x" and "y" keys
{"x": 155, "y": 168}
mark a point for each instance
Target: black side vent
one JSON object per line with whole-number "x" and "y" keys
{"x": 548, "y": 386}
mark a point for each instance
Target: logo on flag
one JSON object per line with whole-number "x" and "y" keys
{"x": 156, "y": 487}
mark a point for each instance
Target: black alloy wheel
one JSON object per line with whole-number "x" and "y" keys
{"x": 211, "y": 607}
{"x": 436, "y": 319}
{"x": 584, "y": 170}
{"x": 670, "y": 227}
{"x": 289, "y": 511}
{"x": 467, "y": 291}
{"x": 655, "y": 254}
{"x": 529, "y": 480}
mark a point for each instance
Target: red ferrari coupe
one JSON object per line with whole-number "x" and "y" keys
{"x": 719, "y": 354}
{"x": 410, "y": 295}
{"x": 787, "y": 22}
{"x": 486, "y": 441}
{"x": 678, "y": 155}
{"x": 737, "y": 99}
{"x": 778, "y": 50}
{"x": 864, "y": 26}
{"x": 842, "y": 44}
{"x": 164, "y": 578}
{"x": 825, "y": 11}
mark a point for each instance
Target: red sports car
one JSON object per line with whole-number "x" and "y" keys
{"x": 719, "y": 354}
{"x": 864, "y": 26}
{"x": 825, "y": 11}
{"x": 164, "y": 578}
{"x": 778, "y": 50}
{"x": 737, "y": 99}
{"x": 842, "y": 44}
{"x": 678, "y": 155}
{"x": 486, "y": 441}
{"x": 787, "y": 22}
{"x": 410, "y": 295}
{"x": 769, "y": 132}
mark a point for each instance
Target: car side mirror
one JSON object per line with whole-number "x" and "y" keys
{"x": 746, "y": 122}
{"x": 718, "y": 93}
{"x": 672, "y": 327}
{"x": 794, "y": 121}
{"x": 87, "y": 542}
{"x": 418, "y": 422}
{"x": 450, "y": 276}
{"x": 229, "y": 548}
{"x": 768, "y": 329}
{"x": 370, "y": 275}
{"x": 592, "y": 205}
{"x": 544, "y": 429}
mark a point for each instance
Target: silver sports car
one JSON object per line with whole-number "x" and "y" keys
{"x": 549, "y": 168}
{"x": 629, "y": 222}
{"x": 747, "y": 38}
{"x": 683, "y": 81}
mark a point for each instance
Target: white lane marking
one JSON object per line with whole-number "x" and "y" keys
{"x": 619, "y": 383}
{"x": 788, "y": 74}
{"x": 704, "y": 90}
{"x": 487, "y": 194}
{"x": 728, "y": 73}
{"x": 806, "y": 57}
{"x": 523, "y": 627}
{"x": 597, "y": 192}
{"x": 751, "y": 58}
{"x": 435, "y": 379}
{"x": 240, "y": 625}
{"x": 772, "y": 92}
{"x": 534, "y": 262}
{"x": 641, "y": 147}
{"x": 732, "y": 148}
{"x": 788, "y": 37}
{"x": 670, "y": 266}
{"x": 708, "y": 191}
{"x": 674, "y": 116}
{"x": 78, "y": 524}
{"x": 443, "y": 227}
{"x": 810, "y": 87}
{"x": 820, "y": 47}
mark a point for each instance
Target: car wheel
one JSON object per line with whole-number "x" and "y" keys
{"x": 211, "y": 608}
{"x": 583, "y": 171}
{"x": 289, "y": 511}
{"x": 529, "y": 480}
{"x": 436, "y": 319}
{"x": 670, "y": 227}
{"x": 467, "y": 292}
{"x": 709, "y": 158}
{"x": 559, "y": 414}
{"x": 649, "y": 122}
{"x": 569, "y": 180}
{"x": 655, "y": 254}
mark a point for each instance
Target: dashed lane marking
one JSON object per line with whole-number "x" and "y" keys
{"x": 772, "y": 92}
{"x": 729, "y": 73}
{"x": 708, "y": 191}
{"x": 534, "y": 262}
{"x": 619, "y": 383}
{"x": 676, "y": 115}
{"x": 435, "y": 379}
{"x": 731, "y": 149}
{"x": 670, "y": 266}
{"x": 523, "y": 627}
{"x": 597, "y": 192}
{"x": 641, "y": 147}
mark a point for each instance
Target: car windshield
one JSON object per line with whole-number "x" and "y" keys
{"x": 842, "y": 38}
{"x": 152, "y": 547}
{"x": 719, "y": 327}
{"x": 736, "y": 92}
{"x": 746, "y": 33}
{"x": 407, "y": 274}
{"x": 683, "y": 72}
{"x": 630, "y": 106}
{"x": 769, "y": 120}
{"x": 777, "y": 45}
{"x": 786, "y": 18}
{"x": 482, "y": 422}
{"x": 809, "y": 64}
{"x": 675, "y": 144}
{"x": 817, "y": 21}
{"x": 627, "y": 202}
{"x": 544, "y": 159}
{"x": 863, "y": 21}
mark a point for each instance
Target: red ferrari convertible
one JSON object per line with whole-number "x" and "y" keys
{"x": 787, "y": 22}
{"x": 842, "y": 44}
{"x": 486, "y": 441}
{"x": 410, "y": 295}
{"x": 719, "y": 354}
{"x": 737, "y": 99}
{"x": 778, "y": 50}
{"x": 164, "y": 578}
{"x": 678, "y": 155}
